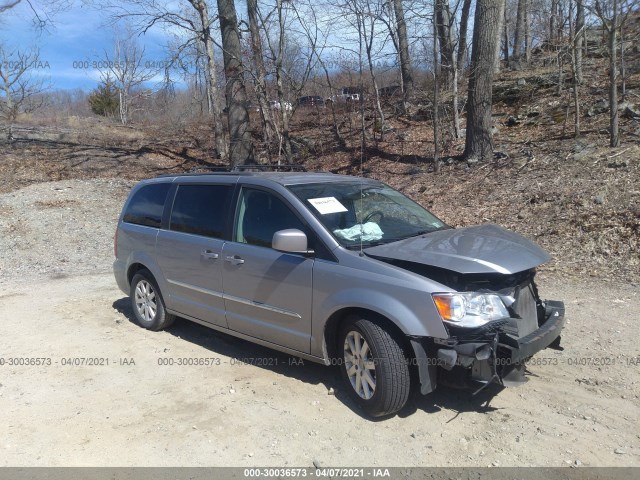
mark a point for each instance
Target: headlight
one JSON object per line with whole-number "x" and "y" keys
{"x": 469, "y": 309}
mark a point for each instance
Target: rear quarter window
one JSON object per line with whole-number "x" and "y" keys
{"x": 147, "y": 205}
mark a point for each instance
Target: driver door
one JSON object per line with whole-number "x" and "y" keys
{"x": 267, "y": 293}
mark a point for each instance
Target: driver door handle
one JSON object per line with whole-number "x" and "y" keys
{"x": 209, "y": 254}
{"x": 234, "y": 260}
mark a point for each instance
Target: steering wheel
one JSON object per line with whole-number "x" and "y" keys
{"x": 373, "y": 214}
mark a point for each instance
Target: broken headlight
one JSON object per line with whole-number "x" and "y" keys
{"x": 469, "y": 309}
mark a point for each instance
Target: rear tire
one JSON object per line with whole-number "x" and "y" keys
{"x": 374, "y": 367}
{"x": 147, "y": 303}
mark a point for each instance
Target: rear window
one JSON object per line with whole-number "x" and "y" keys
{"x": 199, "y": 209}
{"x": 147, "y": 204}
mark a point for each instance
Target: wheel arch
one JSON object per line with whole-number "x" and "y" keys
{"x": 135, "y": 268}
{"x": 336, "y": 320}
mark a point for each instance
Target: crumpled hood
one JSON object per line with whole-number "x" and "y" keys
{"x": 481, "y": 249}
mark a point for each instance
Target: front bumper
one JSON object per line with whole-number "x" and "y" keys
{"x": 488, "y": 354}
{"x": 524, "y": 348}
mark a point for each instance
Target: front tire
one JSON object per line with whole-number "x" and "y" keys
{"x": 147, "y": 303}
{"x": 374, "y": 367}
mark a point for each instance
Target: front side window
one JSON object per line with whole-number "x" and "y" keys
{"x": 147, "y": 205}
{"x": 366, "y": 214}
{"x": 199, "y": 210}
{"x": 260, "y": 214}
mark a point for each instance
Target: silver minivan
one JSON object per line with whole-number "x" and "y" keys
{"x": 338, "y": 270}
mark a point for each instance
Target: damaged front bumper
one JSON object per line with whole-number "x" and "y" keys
{"x": 485, "y": 355}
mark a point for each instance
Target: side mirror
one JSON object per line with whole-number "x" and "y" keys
{"x": 291, "y": 240}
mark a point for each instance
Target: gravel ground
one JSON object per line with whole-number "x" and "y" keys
{"x": 581, "y": 406}
{"x": 59, "y": 228}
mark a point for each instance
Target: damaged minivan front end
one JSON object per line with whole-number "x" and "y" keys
{"x": 493, "y": 333}
{"x": 491, "y": 308}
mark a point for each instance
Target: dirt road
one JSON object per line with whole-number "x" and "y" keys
{"x": 580, "y": 406}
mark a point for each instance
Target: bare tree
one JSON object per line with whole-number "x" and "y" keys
{"x": 578, "y": 43}
{"x": 317, "y": 40}
{"x": 500, "y": 24}
{"x": 486, "y": 29}
{"x": 613, "y": 15}
{"x": 406, "y": 72}
{"x": 257, "y": 55}
{"x": 8, "y": 5}
{"x": 460, "y": 63}
{"x": 369, "y": 14}
{"x": 519, "y": 30}
{"x": 302, "y": 61}
{"x": 444, "y": 26}
{"x": 241, "y": 146}
{"x": 553, "y": 22}
{"x": 206, "y": 37}
{"x": 528, "y": 40}
{"x": 436, "y": 99}
{"x": 126, "y": 65}
{"x": 43, "y": 11}
{"x": 190, "y": 18}
{"x": 462, "y": 39}
{"x": 19, "y": 89}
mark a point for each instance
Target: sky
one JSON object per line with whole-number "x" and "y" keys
{"x": 72, "y": 48}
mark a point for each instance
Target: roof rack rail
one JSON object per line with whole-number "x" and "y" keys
{"x": 270, "y": 168}
{"x": 220, "y": 168}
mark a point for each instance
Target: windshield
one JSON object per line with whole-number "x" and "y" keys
{"x": 366, "y": 214}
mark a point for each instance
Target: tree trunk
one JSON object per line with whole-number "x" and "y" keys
{"x": 462, "y": 41}
{"x": 285, "y": 137}
{"x": 455, "y": 100}
{"x": 369, "y": 39}
{"x": 576, "y": 91}
{"x": 443, "y": 25}
{"x": 623, "y": 69}
{"x": 519, "y": 30}
{"x": 614, "y": 139}
{"x": 216, "y": 101}
{"x": 268, "y": 128}
{"x": 460, "y": 63}
{"x": 505, "y": 42}
{"x": 403, "y": 52}
{"x": 124, "y": 106}
{"x": 500, "y": 24}
{"x": 336, "y": 126}
{"x": 436, "y": 101}
{"x": 212, "y": 78}
{"x": 11, "y": 110}
{"x": 486, "y": 30}
{"x": 553, "y": 21}
{"x": 560, "y": 23}
{"x": 579, "y": 40}
{"x": 241, "y": 148}
{"x": 527, "y": 32}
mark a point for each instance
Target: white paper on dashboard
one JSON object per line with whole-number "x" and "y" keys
{"x": 327, "y": 205}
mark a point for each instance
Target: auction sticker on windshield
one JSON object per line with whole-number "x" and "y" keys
{"x": 326, "y": 205}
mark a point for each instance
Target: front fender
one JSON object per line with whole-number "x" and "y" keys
{"x": 421, "y": 323}
{"x": 419, "y": 320}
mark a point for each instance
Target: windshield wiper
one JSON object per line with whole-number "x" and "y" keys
{"x": 375, "y": 243}
{"x": 422, "y": 232}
